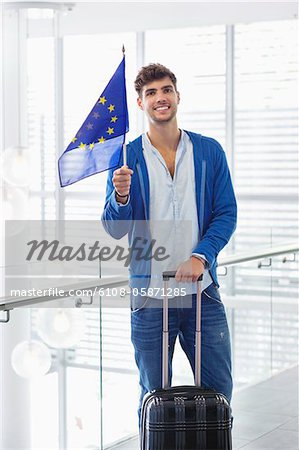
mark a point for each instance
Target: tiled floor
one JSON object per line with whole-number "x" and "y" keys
{"x": 265, "y": 416}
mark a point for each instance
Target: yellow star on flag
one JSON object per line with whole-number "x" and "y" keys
{"x": 82, "y": 146}
{"x": 74, "y": 140}
{"x": 91, "y": 145}
{"x": 110, "y": 130}
{"x": 114, "y": 119}
{"x": 101, "y": 140}
{"x": 102, "y": 100}
{"x": 111, "y": 107}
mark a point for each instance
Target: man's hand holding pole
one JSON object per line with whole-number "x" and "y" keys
{"x": 122, "y": 182}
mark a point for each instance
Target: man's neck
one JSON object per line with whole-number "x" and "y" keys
{"x": 164, "y": 137}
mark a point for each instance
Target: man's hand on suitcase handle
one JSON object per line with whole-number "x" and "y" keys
{"x": 190, "y": 271}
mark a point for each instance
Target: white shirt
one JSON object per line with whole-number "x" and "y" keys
{"x": 173, "y": 214}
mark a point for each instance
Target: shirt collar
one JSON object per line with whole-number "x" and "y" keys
{"x": 181, "y": 149}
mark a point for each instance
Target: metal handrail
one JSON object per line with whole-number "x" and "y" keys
{"x": 7, "y": 304}
{"x": 254, "y": 255}
{"x": 62, "y": 292}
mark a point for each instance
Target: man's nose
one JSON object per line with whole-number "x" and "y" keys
{"x": 161, "y": 97}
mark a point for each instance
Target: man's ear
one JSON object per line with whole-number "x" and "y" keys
{"x": 179, "y": 97}
{"x": 139, "y": 103}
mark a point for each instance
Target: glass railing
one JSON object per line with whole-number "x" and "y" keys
{"x": 88, "y": 397}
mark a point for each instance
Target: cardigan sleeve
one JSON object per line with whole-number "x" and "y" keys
{"x": 116, "y": 218}
{"x": 224, "y": 211}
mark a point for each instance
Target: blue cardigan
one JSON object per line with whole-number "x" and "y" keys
{"x": 215, "y": 199}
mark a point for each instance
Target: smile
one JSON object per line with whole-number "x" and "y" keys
{"x": 161, "y": 108}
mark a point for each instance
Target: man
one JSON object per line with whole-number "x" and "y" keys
{"x": 174, "y": 176}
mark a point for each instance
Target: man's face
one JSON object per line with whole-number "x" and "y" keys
{"x": 159, "y": 100}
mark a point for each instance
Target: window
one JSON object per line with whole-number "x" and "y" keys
{"x": 89, "y": 63}
{"x": 41, "y": 126}
{"x": 201, "y": 79}
{"x": 266, "y": 130}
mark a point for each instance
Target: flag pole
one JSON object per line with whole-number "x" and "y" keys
{"x": 124, "y": 144}
{"x": 125, "y": 154}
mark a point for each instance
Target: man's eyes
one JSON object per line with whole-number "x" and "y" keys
{"x": 166, "y": 91}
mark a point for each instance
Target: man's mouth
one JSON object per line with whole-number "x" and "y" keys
{"x": 162, "y": 108}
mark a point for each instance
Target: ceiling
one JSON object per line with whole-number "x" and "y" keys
{"x": 95, "y": 17}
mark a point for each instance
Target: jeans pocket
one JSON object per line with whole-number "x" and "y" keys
{"x": 212, "y": 293}
{"x": 138, "y": 307}
{"x": 141, "y": 303}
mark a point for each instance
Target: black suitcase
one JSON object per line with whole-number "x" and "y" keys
{"x": 185, "y": 417}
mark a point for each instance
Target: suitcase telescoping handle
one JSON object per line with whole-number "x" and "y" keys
{"x": 165, "y": 374}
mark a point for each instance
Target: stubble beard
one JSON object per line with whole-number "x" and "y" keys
{"x": 161, "y": 120}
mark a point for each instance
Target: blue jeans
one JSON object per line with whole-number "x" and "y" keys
{"x": 146, "y": 335}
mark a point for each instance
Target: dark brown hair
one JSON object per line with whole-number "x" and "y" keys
{"x": 150, "y": 73}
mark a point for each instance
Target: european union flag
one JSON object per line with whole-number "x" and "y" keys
{"x": 98, "y": 144}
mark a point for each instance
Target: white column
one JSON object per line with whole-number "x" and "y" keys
{"x": 15, "y": 390}
{"x": 230, "y": 129}
{"x": 140, "y": 49}
{"x": 14, "y": 78}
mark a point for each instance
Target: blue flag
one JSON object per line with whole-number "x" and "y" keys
{"x": 98, "y": 144}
